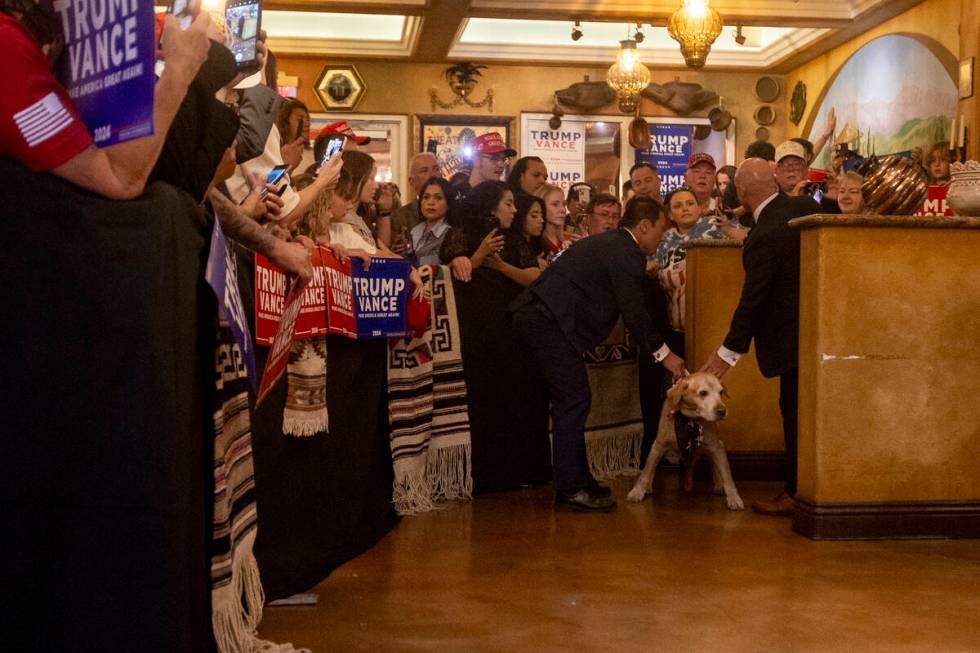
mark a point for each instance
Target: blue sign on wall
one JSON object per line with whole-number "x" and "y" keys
{"x": 670, "y": 148}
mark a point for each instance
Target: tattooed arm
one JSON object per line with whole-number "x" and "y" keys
{"x": 292, "y": 258}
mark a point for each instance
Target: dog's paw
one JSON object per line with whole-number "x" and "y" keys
{"x": 735, "y": 502}
{"x": 636, "y": 495}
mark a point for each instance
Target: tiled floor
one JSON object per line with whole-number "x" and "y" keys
{"x": 675, "y": 573}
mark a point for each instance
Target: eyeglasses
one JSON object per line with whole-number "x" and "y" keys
{"x": 608, "y": 215}
{"x": 496, "y": 157}
{"x": 791, "y": 165}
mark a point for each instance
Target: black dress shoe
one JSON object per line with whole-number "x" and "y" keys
{"x": 583, "y": 501}
{"x": 597, "y": 489}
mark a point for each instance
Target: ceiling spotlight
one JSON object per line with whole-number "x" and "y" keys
{"x": 638, "y": 36}
{"x": 577, "y": 31}
{"x": 739, "y": 37}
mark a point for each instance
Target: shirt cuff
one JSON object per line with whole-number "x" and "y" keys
{"x": 729, "y": 356}
{"x": 661, "y": 353}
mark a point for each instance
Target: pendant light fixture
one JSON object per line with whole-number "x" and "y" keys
{"x": 695, "y": 26}
{"x": 628, "y": 76}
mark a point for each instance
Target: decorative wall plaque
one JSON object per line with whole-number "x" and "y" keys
{"x": 339, "y": 88}
{"x": 797, "y": 105}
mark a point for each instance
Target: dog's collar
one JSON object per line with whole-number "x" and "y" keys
{"x": 690, "y": 434}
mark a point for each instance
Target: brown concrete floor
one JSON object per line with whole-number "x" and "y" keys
{"x": 678, "y": 573}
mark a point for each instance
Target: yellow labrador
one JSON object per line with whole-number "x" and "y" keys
{"x": 698, "y": 398}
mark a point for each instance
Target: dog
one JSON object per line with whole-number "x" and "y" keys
{"x": 697, "y": 397}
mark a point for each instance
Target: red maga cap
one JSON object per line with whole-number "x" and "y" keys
{"x": 341, "y": 127}
{"x": 701, "y": 157}
{"x": 491, "y": 143}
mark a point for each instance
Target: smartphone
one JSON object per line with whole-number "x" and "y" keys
{"x": 494, "y": 223}
{"x": 335, "y": 145}
{"x": 584, "y": 194}
{"x": 243, "y": 20}
{"x": 185, "y": 11}
{"x": 274, "y": 177}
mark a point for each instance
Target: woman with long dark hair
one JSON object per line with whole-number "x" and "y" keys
{"x": 487, "y": 210}
{"x": 437, "y": 207}
{"x": 521, "y": 259}
{"x": 508, "y": 412}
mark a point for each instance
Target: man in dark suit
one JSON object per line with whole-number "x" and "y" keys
{"x": 570, "y": 309}
{"x": 769, "y": 308}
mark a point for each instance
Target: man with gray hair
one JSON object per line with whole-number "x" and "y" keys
{"x": 423, "y": 166}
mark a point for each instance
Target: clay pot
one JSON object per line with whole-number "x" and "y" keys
{"x": 720, "y": 119}
{"x": 964, "y": 189}
{"x": 639, "y": 131}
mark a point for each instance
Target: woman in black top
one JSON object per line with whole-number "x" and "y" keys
{"x": 508, "y": 411}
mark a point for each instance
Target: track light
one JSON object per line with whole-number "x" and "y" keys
{"x": 577, "y": 31}
{"x": 739, "y": 37}
{"x": 638, "y": 36}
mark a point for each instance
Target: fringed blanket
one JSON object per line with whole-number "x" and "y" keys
{"x": 430, "y": 430}
{"x": 236, "y": 589}
{"x": 614, "y": 432}
{"x": 306, "y": 382}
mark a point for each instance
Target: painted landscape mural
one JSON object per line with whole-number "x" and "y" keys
{"x": 895, "y": 94}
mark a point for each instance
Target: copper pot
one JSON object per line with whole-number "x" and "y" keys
{"x": 895, "y": 186}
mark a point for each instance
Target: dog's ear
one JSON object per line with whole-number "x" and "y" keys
{"x": 676, "y": 394}
{"x": 724, "y": 392}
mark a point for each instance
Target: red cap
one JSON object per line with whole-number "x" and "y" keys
{"x": 701, "y": 157}
{"x": 341, "y": 127}
{"x": 491, "y": 143}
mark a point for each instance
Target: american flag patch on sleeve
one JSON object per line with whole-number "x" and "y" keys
{"x": 43, "y": 119}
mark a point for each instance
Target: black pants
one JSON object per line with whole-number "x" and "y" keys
{"x": 568, "y": 388}
{"x": 789, "y": 407}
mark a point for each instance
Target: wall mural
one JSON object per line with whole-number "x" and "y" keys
{"x": 892, "y": 95}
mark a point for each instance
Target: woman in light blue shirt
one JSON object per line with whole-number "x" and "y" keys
{"x": 437, "y": 210}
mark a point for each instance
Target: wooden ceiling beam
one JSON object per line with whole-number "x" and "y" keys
{"x": 440, "y": 25}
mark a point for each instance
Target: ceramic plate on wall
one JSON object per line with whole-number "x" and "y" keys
{"x": 765, "y": 115}
{"x": 767, "y": 89}
{"x": 762, "y": 134}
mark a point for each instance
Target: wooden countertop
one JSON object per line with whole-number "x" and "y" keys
{"x": 914, "y": 222}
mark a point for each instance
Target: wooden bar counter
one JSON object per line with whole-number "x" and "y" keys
{"x": 889, "y": 421}
{"x": 753, "y": 431}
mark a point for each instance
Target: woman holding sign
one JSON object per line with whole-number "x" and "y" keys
{"x": 508, "y": 412}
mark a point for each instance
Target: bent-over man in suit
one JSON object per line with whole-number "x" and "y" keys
{"x": 769, "y": 308}
{"x": 570, "y": 309}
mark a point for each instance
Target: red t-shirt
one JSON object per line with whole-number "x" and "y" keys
{"x": 39, "y": 125}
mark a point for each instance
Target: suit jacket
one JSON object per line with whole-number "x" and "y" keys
{"x": 591, "y": 284}
{"x": 769, "y": 308}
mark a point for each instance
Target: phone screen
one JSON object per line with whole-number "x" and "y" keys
{"x": 185, "y": 11}
{"x": 242, "y": 25}
{"x": 275, "y": 175}
{"x": 334, "y": 145}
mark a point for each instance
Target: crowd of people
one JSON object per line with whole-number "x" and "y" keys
{"x": 511, "y": 239}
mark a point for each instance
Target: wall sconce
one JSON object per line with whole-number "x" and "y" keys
{"x": 628, "y": 76}
{"x": 695, "y": 26}
{"x": 462, "y": 79}
{"x": 577, "y": 31}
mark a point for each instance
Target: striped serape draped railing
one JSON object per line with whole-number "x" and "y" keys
{"x": 429, "y": 421}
